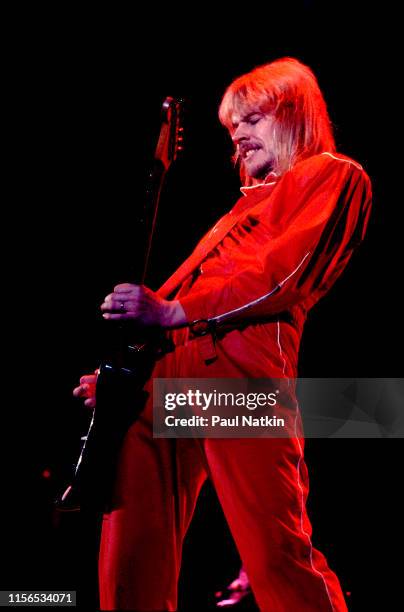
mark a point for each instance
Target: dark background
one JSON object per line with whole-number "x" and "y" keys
{"x": 84, "y": 93}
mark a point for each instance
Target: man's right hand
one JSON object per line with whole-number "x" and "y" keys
{"x": 86, "y": 389}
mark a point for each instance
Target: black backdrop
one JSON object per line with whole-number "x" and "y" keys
{"x": 85, "y": 93}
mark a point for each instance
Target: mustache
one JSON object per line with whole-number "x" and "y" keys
{"x": 243, "y": 148}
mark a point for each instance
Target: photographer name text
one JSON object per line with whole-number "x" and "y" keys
{"x": 219, "y": 421}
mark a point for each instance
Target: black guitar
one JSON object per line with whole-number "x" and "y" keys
{"x": 120, "y": 397}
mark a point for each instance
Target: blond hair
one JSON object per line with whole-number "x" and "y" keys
{"x": 288, "y": 90}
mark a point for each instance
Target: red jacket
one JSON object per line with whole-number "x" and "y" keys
{"x": 294, "y": 234}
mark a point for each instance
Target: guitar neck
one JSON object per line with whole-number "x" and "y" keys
{"x": 150, "y": 211}
{"x": 168, "y": 145}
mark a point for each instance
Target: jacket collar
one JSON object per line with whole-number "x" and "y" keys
{"x": 270, "y": 179}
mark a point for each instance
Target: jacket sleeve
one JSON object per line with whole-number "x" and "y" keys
{"x": 317, "y": 217}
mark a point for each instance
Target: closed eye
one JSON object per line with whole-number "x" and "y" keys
{"x": 253, "y": 119}
{"x": 250, "y": 119}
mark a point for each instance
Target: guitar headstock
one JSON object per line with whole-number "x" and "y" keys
{"x": 170, "y": 141}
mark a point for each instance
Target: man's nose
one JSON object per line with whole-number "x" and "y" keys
{"x": 240, "y": 133}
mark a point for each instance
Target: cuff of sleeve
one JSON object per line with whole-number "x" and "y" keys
{"x": 195, "y": 307}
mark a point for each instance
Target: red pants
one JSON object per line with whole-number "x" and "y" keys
{"x": 262, "y": 486}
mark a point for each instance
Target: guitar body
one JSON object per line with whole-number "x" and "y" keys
{"x": 120, "y": 399}
{"x": 120, "y": 395}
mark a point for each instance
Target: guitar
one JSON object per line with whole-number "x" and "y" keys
{"x": 120, "y": 395}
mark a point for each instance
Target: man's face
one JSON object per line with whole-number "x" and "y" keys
{"x": 252, "y": 133}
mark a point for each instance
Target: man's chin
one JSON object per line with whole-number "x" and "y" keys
{"x": 258, "y": 173}
{"x": 258, "y": 169}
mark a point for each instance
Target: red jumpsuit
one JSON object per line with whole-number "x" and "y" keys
{"x": 297, "y": 231}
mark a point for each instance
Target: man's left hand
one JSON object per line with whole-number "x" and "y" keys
{"x": 138, "y": 303}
